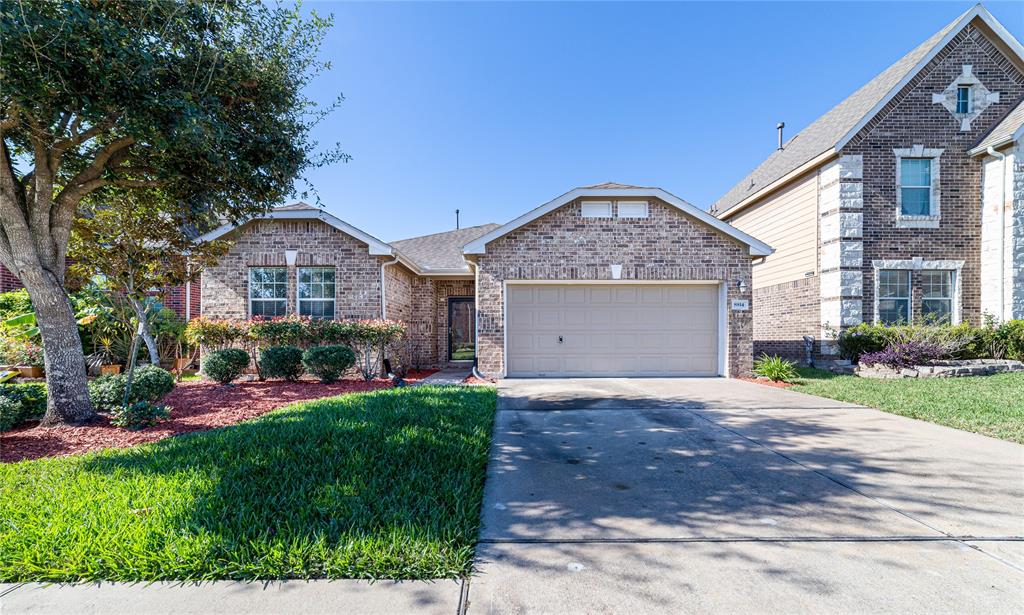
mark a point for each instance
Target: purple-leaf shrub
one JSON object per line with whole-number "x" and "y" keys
{"x": 904, "y": 355}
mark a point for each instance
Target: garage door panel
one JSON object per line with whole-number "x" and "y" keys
{"x": 607, "y": 330}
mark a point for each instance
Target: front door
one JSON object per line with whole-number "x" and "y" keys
{"x": 461, "y": 332}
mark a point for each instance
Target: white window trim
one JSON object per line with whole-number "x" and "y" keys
{"x": 248, "y": 283}
{"x": 299, "y": 300}
{"x": 909, "y": 297}
{"x": 604, "y": 212}
{"x": 951, "y": 297}
{"x": 917, "y": 264}
{"x": 932, "y": 219}
{"x": 644, "y": 205}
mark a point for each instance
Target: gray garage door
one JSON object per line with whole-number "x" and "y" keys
{"x": 612, "y": 330}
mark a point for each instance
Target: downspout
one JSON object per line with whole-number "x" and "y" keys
{"x": 476, "y": 314}
{"x": 1002, "y": 232}
{"x": 188, "y": 293}
{"x": 383, "y": 293}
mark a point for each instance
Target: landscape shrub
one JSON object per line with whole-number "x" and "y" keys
{"x": 905, "y": 355}
{"x": 215, "y": 333}
{"x": 19, "y": 351}
{"x": 775, "y": 369}
{"x": 370, "y": 340}
{"x": 139, "y": 415}
{"x": 21, "y": 402}
{"x": 149, "y": 383}
{"x": 861, "y": 339}
{"x": 225, "y": 365}
{"x": 10, "y": 413}
{"x": 328, "y": 363}
{"x": 281, "y": 362}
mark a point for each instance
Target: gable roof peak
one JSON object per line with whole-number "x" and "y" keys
{"x": 612, "y": 186}
{"x": 833, "y": 130}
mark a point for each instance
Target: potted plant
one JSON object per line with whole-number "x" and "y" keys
{"x": 106, "y": 355}
{"x": 28, "y": 358}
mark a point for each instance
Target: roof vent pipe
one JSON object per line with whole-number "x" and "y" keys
{"x": 780, "y": 126}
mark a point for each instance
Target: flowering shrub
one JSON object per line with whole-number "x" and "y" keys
{"x": 216, "y": 333}
{"x": 24, "y": 352}
{"x": 904, "y": 355}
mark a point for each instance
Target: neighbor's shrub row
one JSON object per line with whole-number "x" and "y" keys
{"x": 963, "y": 341}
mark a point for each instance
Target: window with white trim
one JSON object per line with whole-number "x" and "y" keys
{"x": 596, "y": 209}
{"x": 315, "y": 291}
{"x": 937, "y": 296}
{"x": 916, "y": 186}
{"x": 632, "y": 209}
{"x": 893, "y": 287}
{"x": 268, "y": 291}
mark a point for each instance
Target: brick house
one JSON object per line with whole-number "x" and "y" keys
{"x": 905, "y": 202}
{"x": 603, "y": 280}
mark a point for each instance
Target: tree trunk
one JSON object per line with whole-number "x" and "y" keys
{"x": 67, "y": 393}
{"x": 144, "y": 331}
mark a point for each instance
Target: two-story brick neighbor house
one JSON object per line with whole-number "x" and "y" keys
{"x": 905, "y": 202}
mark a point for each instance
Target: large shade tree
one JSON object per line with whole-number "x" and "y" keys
{"x": 200, "y": 98}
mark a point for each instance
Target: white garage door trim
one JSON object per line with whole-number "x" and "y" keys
{"x": 723, "y": 349}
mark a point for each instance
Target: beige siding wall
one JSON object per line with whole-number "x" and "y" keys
{"x": 788, "y": 222}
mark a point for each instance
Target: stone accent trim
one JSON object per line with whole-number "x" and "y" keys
{"x": 1015, "y": 292}
{"x": 841, "y": 247}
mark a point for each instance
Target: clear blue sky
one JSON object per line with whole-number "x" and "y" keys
{"x": 497, "y": 108}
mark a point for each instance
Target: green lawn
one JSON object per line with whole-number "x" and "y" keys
{"x": 990, "y": 405}
{"x": 373, "y": 485}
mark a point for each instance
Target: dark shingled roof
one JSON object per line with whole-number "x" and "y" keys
{"x": 441, "y": 250}
{"x": 824, "y": 133}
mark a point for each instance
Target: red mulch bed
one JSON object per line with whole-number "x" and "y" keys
{"x": 471, "y": 379}
{"x": 766, "y": 382}
{"x": 195, "y": 406}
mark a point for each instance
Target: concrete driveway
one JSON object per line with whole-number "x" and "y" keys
{"x": 714, "y": 495}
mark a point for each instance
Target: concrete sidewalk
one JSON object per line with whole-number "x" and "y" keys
{"x": 233, "y": 598}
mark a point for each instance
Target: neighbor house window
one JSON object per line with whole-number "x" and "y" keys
{"x": 632, "y": 209}
{"x": 937, "y": 296}
{"x": 893, "y": 296}
{"x": 963, "y": 99}
{"x": 316, "y": 292}
{"x": 268, "y": 291}
{"x": 596, "y": 209}
{"x": 916, "y": 186}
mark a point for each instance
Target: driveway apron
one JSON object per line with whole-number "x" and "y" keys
{"x": 710, "y": 495}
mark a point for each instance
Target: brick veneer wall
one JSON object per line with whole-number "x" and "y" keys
{"x": 8, "y": 281}
{"x": 783, "y": 315}
{"x": 911, "y": 118}
{"x": 262, "y": 243}
{"x": 563, "y": 245}
{"x": 428, "y": 323}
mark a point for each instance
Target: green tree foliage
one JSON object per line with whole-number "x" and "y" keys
{"x": 201, "y": 99}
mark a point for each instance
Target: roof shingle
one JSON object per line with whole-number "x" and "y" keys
{"x": 441, "y": 250}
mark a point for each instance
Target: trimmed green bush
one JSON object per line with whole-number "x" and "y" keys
{"x": 328, "y": 363}
{"x": 149, "y": 383}
{"x": 861, "y": 339}
{"x": 775, "y": 369}
{"x": 139, "y": 415}
{"x": 225, "y": 365}
{"x": 21, "y": 402}
{"x": 281, "y": 362}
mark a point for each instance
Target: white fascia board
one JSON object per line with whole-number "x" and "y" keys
{"x": 757, "y": 247}
{"x": 979, "y": 12}
{"x": 377, "y": 247}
